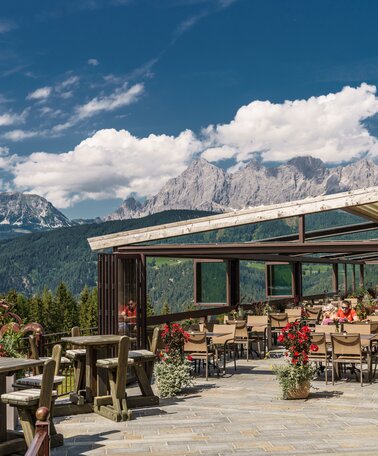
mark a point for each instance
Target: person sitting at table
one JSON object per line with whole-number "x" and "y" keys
{"x": 127, "y": 316}
{"x": 345, "y": 313}
{"x": 328, "y": 314}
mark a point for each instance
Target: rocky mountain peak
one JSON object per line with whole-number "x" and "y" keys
{"x": 204, "y": 186}
{"x": 30, "y": 212}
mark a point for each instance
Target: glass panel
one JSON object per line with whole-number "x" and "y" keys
{"x": 316, "y": 278}
{"x": 341, "y": 279}
{"x": 350, "y": 277}
{"x": 127, "y": 297}
{"x": 212, "y": 283}
{"x": 252, "y": 281}
{"x": 280, "y": 280}
{"x": 169, "y": 285}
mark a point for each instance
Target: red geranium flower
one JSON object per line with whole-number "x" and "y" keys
{"x": 314, "y": 348}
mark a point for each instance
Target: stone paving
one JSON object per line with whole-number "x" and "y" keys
{"x": 239, "y": 414}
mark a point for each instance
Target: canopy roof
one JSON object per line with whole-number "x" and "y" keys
{"x": 362, "y": 202}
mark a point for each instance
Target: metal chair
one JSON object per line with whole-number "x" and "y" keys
{"x": 322, "y": 355}
{"x": 346, "y": 348}
{"x": 197, "y": 348}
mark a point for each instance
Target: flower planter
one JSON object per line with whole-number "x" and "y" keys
{"x": 301, "y": 393}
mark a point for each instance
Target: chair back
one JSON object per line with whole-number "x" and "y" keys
{"x": 57, "y": 356}
{"x": 319, "y": 339}
{"x": 361, "y": 328}
{"x": 47, "y": 384}
{"x": 196, "y": 343}
{"x": 241, "y": 330}
{"x": 327, "y": 329}
{"x": 313, "y": 312}
{"x": 346, "y": 344}
{"x": 33, "y": 347}
{"x": 157, "y": 344}
{"x": 373, "y": 317}
{"x": 259, "y": 321}
{"x": 75, "y": 332}
{"x": 227, "y": 334}
{"x": 123, "y": 355}
{"x": 278, "y": 320}
{"x": 297, "y": 312}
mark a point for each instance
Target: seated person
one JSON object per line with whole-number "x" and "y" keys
{"x": 127, "y": 316}
{"x": 345, "y": 313}
{"x": 328, "y": 314}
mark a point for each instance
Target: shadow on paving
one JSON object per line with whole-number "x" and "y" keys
{"x": 79, "y": 445}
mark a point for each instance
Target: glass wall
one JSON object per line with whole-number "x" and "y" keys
{"x": 252, "y": 281}
{"x": 280, "y": 279}
{"x": 316, "y": 278}
{"x": 127, "y": 297}
{"x": 211, "y": 282}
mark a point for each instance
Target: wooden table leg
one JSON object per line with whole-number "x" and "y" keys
{"x": 90, "y": 374}
{"x": 102, "y": 378}
{"x": 3, "y": 410}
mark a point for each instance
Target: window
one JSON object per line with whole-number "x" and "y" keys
{"x": 279, "y": 279}
{"x": 211, "y": 279}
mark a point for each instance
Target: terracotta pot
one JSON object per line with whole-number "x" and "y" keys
{"x": 301, "y": 393}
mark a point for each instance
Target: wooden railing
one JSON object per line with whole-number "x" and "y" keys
{"x": 40, "y": 445}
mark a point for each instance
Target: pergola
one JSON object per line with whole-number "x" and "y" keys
{"x": 122, "y": 273}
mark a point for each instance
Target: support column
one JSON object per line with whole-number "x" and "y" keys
{"x": 233, "y": 282}
{"x": 301, "y": 228}
{"x": 142, "y": 304}
{"x": 335, "y": 278}
{"x": 362, "y": 275}
{"x": 297, "y": 282}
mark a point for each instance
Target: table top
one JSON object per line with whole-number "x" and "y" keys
{"x": 8, "y": 365}
{"x": 90, "y": 341}
{"x": 210, "y": 334}
{"x": 364, "y": 337}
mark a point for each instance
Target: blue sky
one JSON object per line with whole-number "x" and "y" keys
{"x": 103, "y": 98}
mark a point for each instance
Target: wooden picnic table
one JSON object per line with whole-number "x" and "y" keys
{"x": 95, "y": 348}
{"x": 8, "y": 366}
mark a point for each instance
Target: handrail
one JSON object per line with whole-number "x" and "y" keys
{"x": 40, "y": 445}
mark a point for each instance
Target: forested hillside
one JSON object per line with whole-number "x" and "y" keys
{"x": 34, "y": 262}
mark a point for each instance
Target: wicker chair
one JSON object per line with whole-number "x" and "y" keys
{"x": 197, "y": 348}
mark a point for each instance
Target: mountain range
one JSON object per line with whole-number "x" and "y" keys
{"x": 204, "y": 186}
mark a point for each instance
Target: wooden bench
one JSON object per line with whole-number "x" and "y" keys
{"x": 35, "y": 381}
{"x": 27, "y": 402}
{"x": 116, "y": 405}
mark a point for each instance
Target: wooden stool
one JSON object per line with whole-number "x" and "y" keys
{"x": 28, "y": 401}
{"x": 114, "y": 406}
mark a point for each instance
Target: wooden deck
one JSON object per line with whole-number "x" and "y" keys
{"x": 240, "y": 414}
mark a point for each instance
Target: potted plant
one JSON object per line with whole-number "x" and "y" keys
{"x": 295, "y": 375}
{"x": 173, "y": 371}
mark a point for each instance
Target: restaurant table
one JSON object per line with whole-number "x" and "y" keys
{"x": 95, "y": 348}
{"x": 8, "y": 366}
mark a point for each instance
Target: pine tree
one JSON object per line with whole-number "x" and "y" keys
{"x": 165, "y": 310}
{"x": 93, "y": 309}
{"x": 150, "y": 307}
{"x": 50, "y": 317}
{"x": 84, "y": 305}
{"x": 64, "y": 301}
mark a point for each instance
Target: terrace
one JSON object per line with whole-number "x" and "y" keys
{"x": 240, "y": 412}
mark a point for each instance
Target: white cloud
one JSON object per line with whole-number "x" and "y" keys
{"x": 109, "y": 164}
{"x": 93, "y": 62}
{"x": 19, "y": 135}
{"x": 119, "y": 98}
{"x": 7, "y": 25}
{"x": 40, "y": 94}
{"x": 115, "y": 163}
{"x": 329, "y": 127}
{"x": 8, "y": 118}
{"x": 72, "y": 80}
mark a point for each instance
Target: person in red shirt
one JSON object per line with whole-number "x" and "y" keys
{"x": 345, "y": 313}
{"x": 127, "y": 316}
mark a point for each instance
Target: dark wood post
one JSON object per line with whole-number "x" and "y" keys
{"x": 142, "y": 307}
{"x": 335, "y": 278}
{"x": 233, "y": 282}
{"x": 197, "y": 282}
{"x": 297, "y": 282}
{"x": 301, "y": 228}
